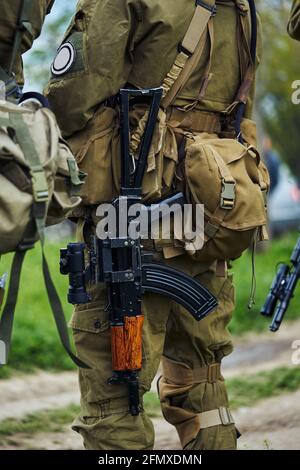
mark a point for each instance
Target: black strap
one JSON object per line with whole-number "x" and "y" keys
{"x": 253, "y": 15}
{"x": 58, "y": 313}
{"x": 7, "y": 318}
{"x": 49, "y": 7}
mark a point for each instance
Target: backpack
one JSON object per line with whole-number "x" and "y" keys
{"x": 37, "y": 171}
{"x": 39, "y": 185}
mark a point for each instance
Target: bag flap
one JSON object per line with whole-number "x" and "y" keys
{"x": 207, "y": 161}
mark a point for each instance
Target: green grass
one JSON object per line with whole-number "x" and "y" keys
{"x": 152, "y": 405}
{"x": 45, "y": 421}
{"x": 35, "y": 339}
{"x": 247, "y": 390}
{"x": 243, "y": 391}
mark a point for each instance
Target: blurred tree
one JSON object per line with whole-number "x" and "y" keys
{"x": 280, "y": 68}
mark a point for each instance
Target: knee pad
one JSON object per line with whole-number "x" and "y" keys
{"x": 193, "y": 399}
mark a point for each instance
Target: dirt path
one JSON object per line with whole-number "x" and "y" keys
{"x": 30, "y": 393}
{"x": 274, "y": 423}
{"x": 271, "y": 424}
{"x": 260, "y": 352}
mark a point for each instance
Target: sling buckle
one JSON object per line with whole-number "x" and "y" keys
{"x": 212, "y": 9}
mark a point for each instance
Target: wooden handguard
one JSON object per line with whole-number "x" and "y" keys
{"x": 126, "y": 344}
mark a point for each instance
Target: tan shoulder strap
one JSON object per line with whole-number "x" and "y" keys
{"x": 189, "y": 55}
{"x": 190, "y": 52}
{"x": 203, "y": 13}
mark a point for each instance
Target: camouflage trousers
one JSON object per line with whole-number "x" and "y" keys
{"x": 192, "y": 390}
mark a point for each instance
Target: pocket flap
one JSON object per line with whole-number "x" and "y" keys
{"x": 93, "y": 319}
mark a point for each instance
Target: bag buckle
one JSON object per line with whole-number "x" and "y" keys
{"x": 225, "y": 416}
{"x": 227, "y": 194}
{"x": 39, "y": 185}
{"x": 212, "y": 9}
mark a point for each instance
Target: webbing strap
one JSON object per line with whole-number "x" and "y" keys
{"x": 58, "y": 313}
{"x": 39, "y": 181}
{"x": 7, "y": 318}
{"x": 181, "y": 374}
{"x": 223, "y": 168}
{"x": 194, "y": 120}
{"x": 220, "y": 416}
{"x": 203, "y": 13}
{"x": 192, "y": 48}
{"x": 50, "y": 5}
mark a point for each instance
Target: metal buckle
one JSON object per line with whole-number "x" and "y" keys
{"x": 227, "y": 195}
{"x": 212, "y": 9}
{"x": 39, "y": 186}
{"x": 225, "y": 416}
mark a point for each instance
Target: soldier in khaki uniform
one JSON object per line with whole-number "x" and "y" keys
{"x": 134, "y": 43}
{"x": 294, "y": 23}
{"x": 108, "y": 46}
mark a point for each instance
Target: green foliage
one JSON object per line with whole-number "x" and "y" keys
{"x": 44, "y": 421}
{"x": 245, "y": 391}
{"x": 152, "y": 405}
{"x": 35, "y": 341}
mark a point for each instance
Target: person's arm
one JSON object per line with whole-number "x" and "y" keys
{"x": 94, "y": 60}
{"x": 294, "y": 23}
{"x": 9, "y": 16}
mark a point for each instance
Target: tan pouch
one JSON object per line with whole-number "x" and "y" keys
{"x": 163, "y": 155}
{"x": 231, "y": 181}
{"x": 96, "y": 150}
{"x": 98, "y": 153}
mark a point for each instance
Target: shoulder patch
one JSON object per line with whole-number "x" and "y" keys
{"x": 64, "y": 59}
